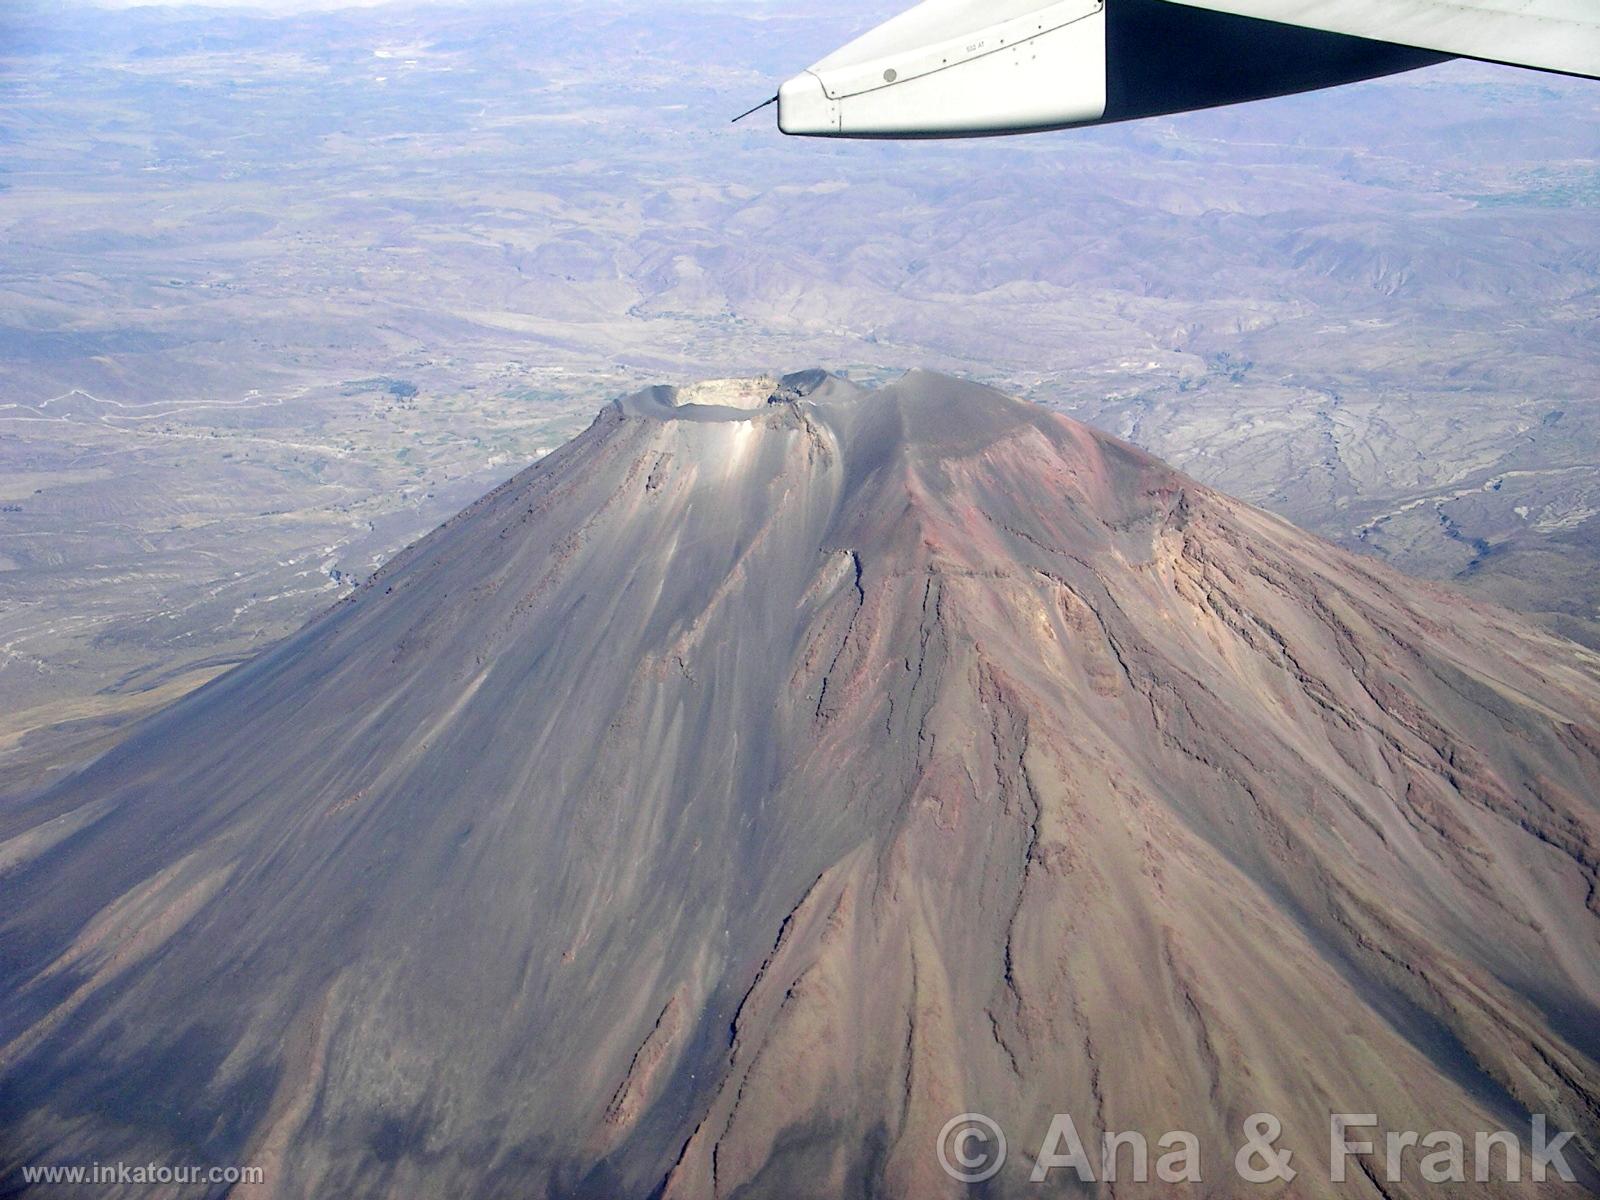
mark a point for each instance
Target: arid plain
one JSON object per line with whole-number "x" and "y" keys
{"x": 278, "y": 296}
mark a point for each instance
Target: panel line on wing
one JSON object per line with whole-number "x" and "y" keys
{"x": 920, "y": 61}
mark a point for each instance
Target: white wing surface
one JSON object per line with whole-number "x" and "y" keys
{"x": 952, "y": 67}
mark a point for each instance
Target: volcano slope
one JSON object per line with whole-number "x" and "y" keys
{"x": 726, "y": 802}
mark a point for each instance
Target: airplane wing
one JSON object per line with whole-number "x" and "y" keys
{"x": 966, "y": 68}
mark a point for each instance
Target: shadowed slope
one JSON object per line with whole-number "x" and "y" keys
{"x": 732, "y": 798}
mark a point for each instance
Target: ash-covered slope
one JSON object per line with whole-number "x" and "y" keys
{"x": 726, "y": 802}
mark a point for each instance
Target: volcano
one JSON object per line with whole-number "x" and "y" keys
{"x": 778, "y": 771}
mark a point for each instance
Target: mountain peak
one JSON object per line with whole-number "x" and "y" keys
{"x": 787, "y": 767}
{"x": 928, "y": 447}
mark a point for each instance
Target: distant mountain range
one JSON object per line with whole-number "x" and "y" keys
{"x": 783, "y": 768}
